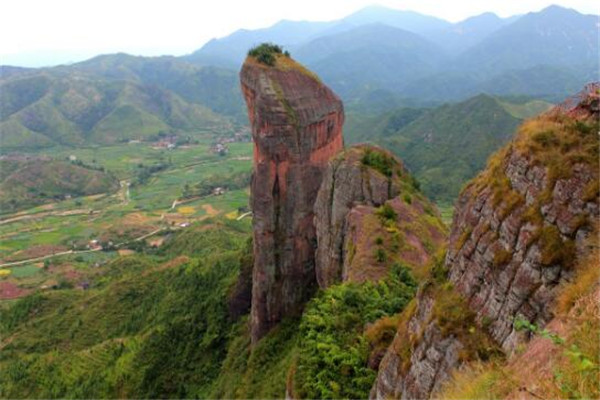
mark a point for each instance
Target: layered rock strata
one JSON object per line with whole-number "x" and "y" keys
{"x": 297, "y": 127}
{"x": 517, "y": 232}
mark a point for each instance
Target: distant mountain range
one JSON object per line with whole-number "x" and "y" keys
{"x": 376, "y": 59}
{"x": 114, "y": 98}
{"x": 425, "y": 58}
{"x": 48, "y": 108}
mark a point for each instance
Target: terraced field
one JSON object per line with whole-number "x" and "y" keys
{"x": 148, "y": 205}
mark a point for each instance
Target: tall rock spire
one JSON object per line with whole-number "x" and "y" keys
{"x": 296, "y": 127}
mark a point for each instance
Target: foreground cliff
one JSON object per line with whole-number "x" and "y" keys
{"x": 296, "y": 127}
{"x": 519, "y": 231}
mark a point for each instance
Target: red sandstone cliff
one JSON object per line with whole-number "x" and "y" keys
{"x": 519, "y": 229}
{"x": 297, "y": 127}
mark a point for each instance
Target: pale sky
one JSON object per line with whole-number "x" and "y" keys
{"x": 32, "y": 32}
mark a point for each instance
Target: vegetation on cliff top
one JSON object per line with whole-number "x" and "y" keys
{"x": 560, "y": 144}
{"x": 266, "y": 53}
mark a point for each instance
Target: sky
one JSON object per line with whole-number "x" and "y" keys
{"x": 38, "y": 33}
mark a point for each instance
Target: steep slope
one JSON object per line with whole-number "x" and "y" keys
{"x": 148, "y": 326}
{"x": 447, "y": 145}
{"x": 561, "y": 361}
{"x": 296, "y": 126}
{"x": 51, "y": 107}
{"x": 369, "y": 216}
{"x": 518, "y": 231}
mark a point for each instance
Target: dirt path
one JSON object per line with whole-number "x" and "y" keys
{"x": 62, "y": 253}
{"x": 45, "y": 214}
{"x": 243, "y": 215}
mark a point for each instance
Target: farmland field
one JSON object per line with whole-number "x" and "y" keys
{"x": 151, "y": 202}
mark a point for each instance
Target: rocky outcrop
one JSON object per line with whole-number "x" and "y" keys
{"x": 517, "y": 228}
{"x": 413, "y": 369}
{"x": 355, "y": 241}
{"x": 297, "y": 127}
{"x": 517, "y": 232}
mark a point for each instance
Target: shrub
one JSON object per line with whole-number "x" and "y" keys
{"x": 379, "y": 161}
{"x": 266, "y": 53}
{"x": 554, "y": 249}
{"x": 501, "y": 257}
{"x": 387, "y": 213}
{"x": 334, "y": 351}
{"x": 380, "y": 255}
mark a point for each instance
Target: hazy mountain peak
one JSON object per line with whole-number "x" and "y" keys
{"x": 409, "y": 20}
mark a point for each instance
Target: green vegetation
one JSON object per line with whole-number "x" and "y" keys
{"x": 147, "y": 327}
{"x": 157, "y": 177}
{"x": 573, "y": 355}
{"x": 443, "y": 147}
{"x": 379, "y": 160}
{"x": 50, "y": 108}
{"x": 263, "y": 371}
{"x": 387, "y": 213}
{"x": 266, "y": 53}
{"x": 333, "y": 350}
{"x": 159, "y": 326}
{"x": 24, "y": 184}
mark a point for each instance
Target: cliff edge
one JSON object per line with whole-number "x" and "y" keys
{"x": 297, "y": 127}
{"x": 519, "y": 231}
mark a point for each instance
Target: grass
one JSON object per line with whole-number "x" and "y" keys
{"x": 586, "y": 278}
{"x": 554, "y": 249}
{"x": 479, "y": 381}
{"x": 24, "y": 271}
{"x": 574, "y": 357}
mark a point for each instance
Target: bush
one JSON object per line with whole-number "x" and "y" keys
{"x": 266, "y": 53}
{"x": 378, "y": 161}
{"x": 387, "y": 212}
{"x": 380, "y": 255}
{"x": 334, "y": 351}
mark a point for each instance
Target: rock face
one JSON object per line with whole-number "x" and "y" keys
{"x": 517, "y": 231}
{"x": 349, "y": 230}
{"x": 421, "y": 372}
{"x": 523, "y": 235}
{"x": 297, "y": 127}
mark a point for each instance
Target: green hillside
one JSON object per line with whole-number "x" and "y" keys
{"x": 445, "y": 146}
{"x": 48, "y": 107}
{"x": 162, "y": 325}
{"x": 28, "y": 183}
{"x": 213, "y": 87}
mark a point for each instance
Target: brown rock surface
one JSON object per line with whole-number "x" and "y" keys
{"x": 297, "y": 127}
{"x": 349, "y": 229}
{"x": 517, "y": 233}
